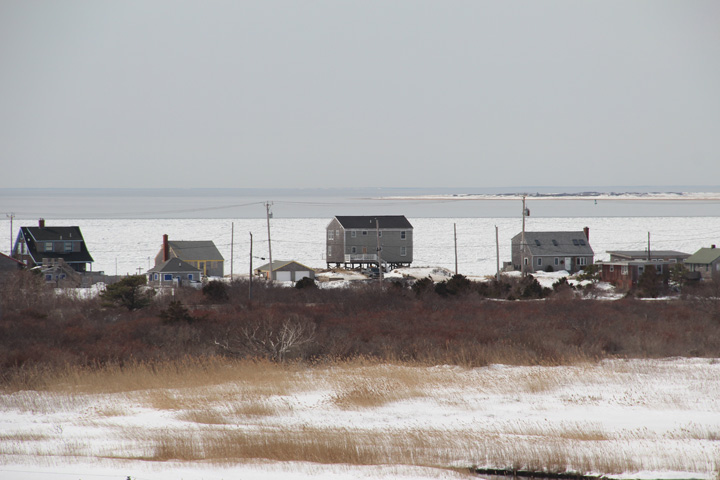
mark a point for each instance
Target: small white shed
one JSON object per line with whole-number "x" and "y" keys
{"x": 286, "y": 271}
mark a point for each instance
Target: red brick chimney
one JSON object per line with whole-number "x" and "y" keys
{"x": 587, "y": 233}
{"x": 41, "y": 223}
{"x": 166, "y": 248}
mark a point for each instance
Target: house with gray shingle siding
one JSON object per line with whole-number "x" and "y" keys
{"x": 704, "y": 264}
{"x": 552, "y": 251}
{"x": 173, "y": 272}
{"x": 353, "y": 241}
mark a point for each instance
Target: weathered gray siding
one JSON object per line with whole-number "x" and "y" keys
{"x": 335, "y": 243}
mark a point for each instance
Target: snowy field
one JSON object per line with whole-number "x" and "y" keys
{"x": 629, "y": 419}
{"x": 130, "y": 245}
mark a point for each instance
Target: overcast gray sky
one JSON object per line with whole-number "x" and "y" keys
{"x": 359, "y": 93}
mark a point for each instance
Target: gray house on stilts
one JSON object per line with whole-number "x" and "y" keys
{"x": 353, "y": 241}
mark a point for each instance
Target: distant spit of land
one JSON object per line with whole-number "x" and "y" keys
{"x": 590, "y": 195}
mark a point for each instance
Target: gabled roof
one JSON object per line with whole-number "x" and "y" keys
{"x": 174, "y": 265}
{"x": 368, "y": 222}
{"x": 704, "y": 256}
{"x": 44, "y": 234}
{"x": 195, "y": 249}
{"x": 11, "y": 261}
{"x": 556, "y": 243}
{"x": 32, "y": 235}
{"x": 278, "y": 264}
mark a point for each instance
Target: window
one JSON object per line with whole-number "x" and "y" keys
{"x": 48, "y": 247}
{"x": 575, "y": 242}
{"x": 624, "y": 270}
{"x": 167, "y": 276}
{"x": 68, "y": 247}
{"x": 329, "y": 250}
{"x": 537, "y": 242}
{"x": 48, "y": 278}
{"x": 557, "y": 261}
{"x": 403, "y": 251}
{"x": 402, "y": 235}
{"x": 554, "y": 242}
{"x": 612, "y": 268}
{"x": 379, "y": 233}
{"x": 364, "y": 233}
{"x": 353, "y": 234}
{"x": 525, "y": 261}
{"x": 331, "y": 234}
{"x": 353, "y": 249}
{"x": 337, "y": 234}
{"x": 190, "y": 276}
{"x": 581, "y": 242}
{"x": 582, "y": 261}
{"x": 539, "y": 262}
{"x": 156, "y": 276}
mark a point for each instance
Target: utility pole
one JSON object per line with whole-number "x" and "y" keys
{"x": 251, "y": 270}
{"x": 232, "y": 245}
{"x": 497, "y": 252}
{"x": 379, "y": 261}
{"x": 269, "y": 216}
{"x": 11, "y": 216}
{"x": 455, "y": 234}
{"x": 649, "y": 256}
{"x": 525, "y": 212}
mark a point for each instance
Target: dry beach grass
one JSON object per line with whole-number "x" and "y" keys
{"x": 590, "y": 418}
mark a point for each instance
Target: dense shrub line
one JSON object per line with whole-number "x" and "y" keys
{"x": 454, "y": 322}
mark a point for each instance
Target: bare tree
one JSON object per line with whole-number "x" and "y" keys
{"x": 270, "y": 338}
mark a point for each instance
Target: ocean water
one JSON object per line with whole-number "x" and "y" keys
{"x": 123, "y": 229}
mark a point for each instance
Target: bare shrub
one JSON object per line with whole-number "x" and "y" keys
{"x": 271, "y": 337}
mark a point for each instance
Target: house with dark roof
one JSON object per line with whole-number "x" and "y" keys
{"x": 369, "y": 240}
{"x": 43, "y": 245}
{"x": 286, "y": 271}
{"x": 551, "y": 251}
{"x": 704, "y": 264}
{"x": 203, "y": 254}
{"x": 173, "y": 272}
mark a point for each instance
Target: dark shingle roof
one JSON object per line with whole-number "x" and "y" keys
{"x": 44, "y": 234}
{"x": 368, "y": 222}
{"x": 640, "y": 254}
{"x": 174, "y": 265}
{"x": 556, "y": 243}
{"x": 195, "y": 249}
{"x": 32, "y": 235}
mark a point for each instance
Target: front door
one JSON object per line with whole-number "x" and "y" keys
{"x": 568, "y": 264}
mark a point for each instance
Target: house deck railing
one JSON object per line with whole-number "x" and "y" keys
{"x": 360, "y": 257}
